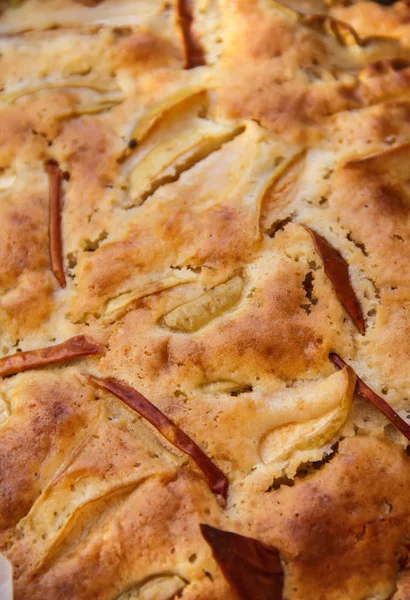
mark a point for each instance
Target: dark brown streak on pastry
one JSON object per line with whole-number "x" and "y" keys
{"x": 79, "y": 345}
{"x": 368, "y": 394}
{"x": 251, "y": 567}
{"x": 55, "y": 178}
{"x": 193, "y": 51}
{"x": 89, "y": 2}
{"x": 217, "y": 481}
{"x": 343, "y": 32}
{"x": 404, "y": 557}
{"x": 337, "y": 269}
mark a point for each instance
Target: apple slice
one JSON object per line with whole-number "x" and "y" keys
{"x": 216, "y": 479}
{"x": 323, "y": 412}
{"x": 113, "y": 94}
{"x": 286, "y": 10}
{"x": 84, "y": 99}
{"x": 368, "y": 394}
{"x": 337, "y": 269}
{"x": 158, "y": 587}
{"x": 119, "y": 305}
{"x": 168, "y": 158}
{"x": 341, "y": 31}
{"x": 153, "y": 114}
{"x": 252, "y": 568}
{"x": 197, "y": 313}
{"x": 55, "y": 178}
{"x": 79, "y": 345}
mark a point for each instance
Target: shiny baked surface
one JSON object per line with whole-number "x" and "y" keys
{"x": 193, "y": 161}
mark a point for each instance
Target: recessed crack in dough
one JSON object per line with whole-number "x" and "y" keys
{"x": 303, "y": 470}
{"x": 358, "y": 245}
{"x": 308, "y": 287}
{"x": 93, "y": 245}
{"x": 278, "y": 225}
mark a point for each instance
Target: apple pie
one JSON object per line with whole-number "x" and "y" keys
{"x": 205, "y": 299}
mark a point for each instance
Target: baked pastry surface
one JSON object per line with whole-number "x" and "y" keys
{"x": 197, "y": 145}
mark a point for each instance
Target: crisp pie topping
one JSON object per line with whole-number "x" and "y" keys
{"x": 214, "y": 476}
{"x": 201, "y": 202}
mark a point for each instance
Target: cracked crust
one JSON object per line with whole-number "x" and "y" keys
{"x": 198, "y": 143}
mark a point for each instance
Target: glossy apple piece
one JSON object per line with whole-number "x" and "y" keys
{"x": 55, "y": 179}
{"x": 193, "y": 51}
{"x": 252, "y": 568}
{"x": 368, "y": 394}
{"x": 171, "y": 432}
{"x": 79, "y": 345}
{"x": 341, "y": 31}
{"x": 337, "y": 269}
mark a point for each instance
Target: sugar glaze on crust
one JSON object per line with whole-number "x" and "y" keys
{"x": 207, "y": 204}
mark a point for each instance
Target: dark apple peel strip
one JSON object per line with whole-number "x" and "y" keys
{"x": 217, "y": 481}
{"x": 79, "y": 345}
{"x": 365, "y": 392}
{"x": 252, "y": 568}
{"x": 55, "y": 179}
{"x": 337, "y": 270}
{"x": 194, "y": 54}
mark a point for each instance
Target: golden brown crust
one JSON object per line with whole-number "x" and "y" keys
{"x": 348, "y": 513}
{"x": 192, "y": 180}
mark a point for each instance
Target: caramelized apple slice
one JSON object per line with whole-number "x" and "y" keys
{"x": 362, "y": 50}
{"x": 197, "y": 313}
{"x": 341, "y": 31}
{"x": 171, "y": 432}
{"x": 105, "y": 94}
{"x": 323, "y": 412}
{"x": 193, "y": 51}
{"x": 368, "y": 394}
{"x": 337, "y": 269}
{"x": 84, "y": 100}
{"x": 55, "y": 177}
{"x": 167, "y": 160}
{"x": 326, "y": 25}
{"x": 116, "y": 307}
{"x": 79, "y": 345}
{"x": 156, "y": 112}
{"x": 252, "y": 568}
{"x": 286, "y": 10}
{"x": 92, "y": 104}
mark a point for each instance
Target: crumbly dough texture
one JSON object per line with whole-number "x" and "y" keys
{"x": 186, "y": 258}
